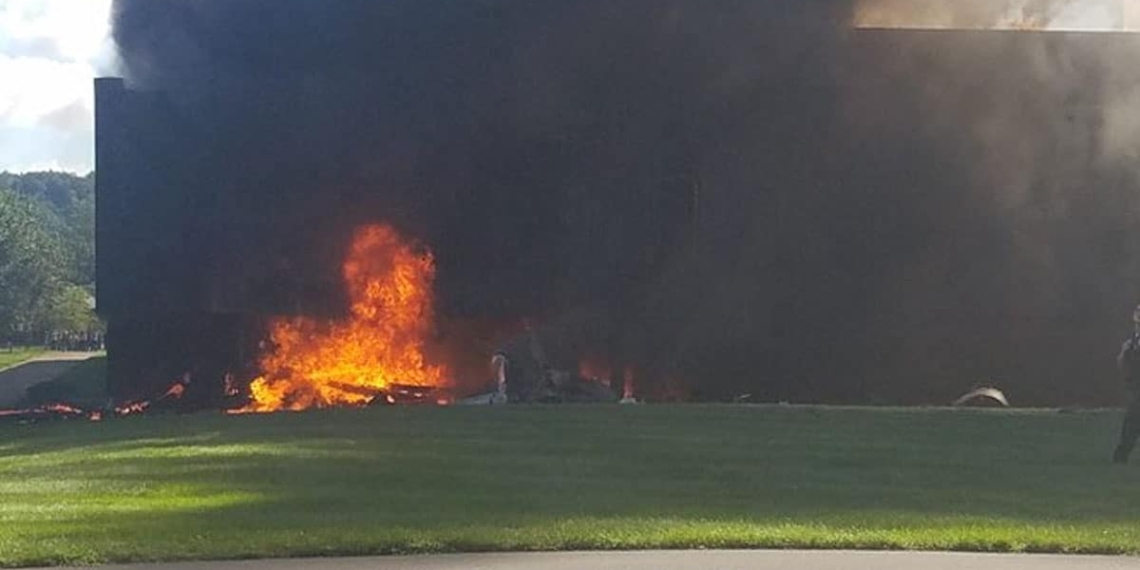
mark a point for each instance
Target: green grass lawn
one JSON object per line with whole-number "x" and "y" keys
{"x": 407, "y": 480}
{"x": 15, "y": 356}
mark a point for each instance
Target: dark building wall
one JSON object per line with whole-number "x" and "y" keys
{"x": 173, "y": 299}
{"x": 797, "y": 210}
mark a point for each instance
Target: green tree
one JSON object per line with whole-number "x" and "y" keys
{"x": 33, "y": 262}
{"x": 69, "y": 209}
{"x": 70, "y": 309}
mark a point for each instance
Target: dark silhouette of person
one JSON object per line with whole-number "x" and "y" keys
{"x": 1129, "y": 363}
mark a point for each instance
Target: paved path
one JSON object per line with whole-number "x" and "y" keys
{"x": 16, "y": 380}
{"x": 678, "y": 560}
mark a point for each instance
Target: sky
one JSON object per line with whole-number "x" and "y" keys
{"x": 50, "y": 50}
{"x": 1083, "y": 15}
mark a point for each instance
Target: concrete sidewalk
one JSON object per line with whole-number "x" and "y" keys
{"x": 678, "y": 560}
{"x": 16, "y": 380}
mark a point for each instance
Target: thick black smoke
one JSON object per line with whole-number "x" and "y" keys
{"x": 757, "y": 197}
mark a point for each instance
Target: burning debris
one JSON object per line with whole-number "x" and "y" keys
{"x": 170, "y": 399}
{"x": 172, "y": 394}
{"x": 313, "y": 364}
{"x": 525, "y": 373}
{"x": 48, "y": 412}
{"x": 595, "y": 370}
{"x": 402, "y": 395}
{"x": 376, "y": 356}
{"x": 701, "y": 176}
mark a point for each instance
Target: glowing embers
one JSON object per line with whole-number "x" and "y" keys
{"x": 168, "y": 401}
{"x": 314, "y": 364}
{"x": 1025, "y": 15}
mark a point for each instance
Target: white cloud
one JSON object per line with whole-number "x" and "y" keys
{"x": 50, "y": 50}
{"x": 36, "y": 87}
{"x": 27, "y": 149}
{"x": 1077, "y": 15}
{"x": 79, "y": 27}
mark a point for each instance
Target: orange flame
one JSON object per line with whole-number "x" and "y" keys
{"x": 595, "y": 369}
{"x": 132, "y": 408}
{"x": 598, "y": 370}
{"x": 175, "y": 392}
{"x": 349, "y": 363}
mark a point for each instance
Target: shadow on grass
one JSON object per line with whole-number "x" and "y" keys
{"x": 402, "y": 480}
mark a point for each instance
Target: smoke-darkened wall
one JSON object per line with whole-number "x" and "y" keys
{"x": 756, "y": 196}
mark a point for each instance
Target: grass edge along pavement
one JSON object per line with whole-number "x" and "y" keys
{"x": 11, "y": 358}
{"x": 419, "y": 480}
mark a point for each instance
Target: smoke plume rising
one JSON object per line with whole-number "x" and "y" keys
{"x": 756, "y": 196}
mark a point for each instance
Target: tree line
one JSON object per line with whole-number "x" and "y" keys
{"x": 47, "y": 257}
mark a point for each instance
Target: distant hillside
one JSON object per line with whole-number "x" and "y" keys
{"x": 47, "y": 254}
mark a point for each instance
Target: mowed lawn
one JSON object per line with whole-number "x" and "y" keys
{"x": 390, "y": 480}
{"x": 9, "y": 358}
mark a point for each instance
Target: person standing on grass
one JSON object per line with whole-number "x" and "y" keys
{"x": 1129, "y": 363}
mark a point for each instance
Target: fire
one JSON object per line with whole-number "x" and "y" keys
{"x": 132, "y": 408}
{"x": 595, "y": 369}
{"x": 61, "y": 410}
{"x": 316, "y": 364}
{"x": 598, "y": 370}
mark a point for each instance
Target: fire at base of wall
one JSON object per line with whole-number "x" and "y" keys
{"x": 146, "y": 354}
